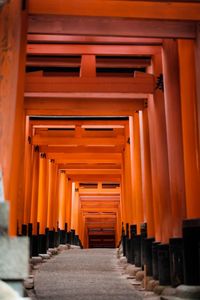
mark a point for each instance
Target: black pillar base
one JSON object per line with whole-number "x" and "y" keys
{"x": 68, "y": 237}
{"x": 72, "y": 236}
{"x": 128, "y": 250}
{"x": 51, "y": 239}
{"x": 191, "y": 247}
{"x": 56, "y": 239}
{"x": 137, "y": 250}
{"x": 155, "y": 259}
{"x": 143, "y": 230}
{"x": 148, "y": 256}
{"x": 42, "y": 244}
{"x": 176, "y": 261}
{"x": 24, "y": 229}
{"x": 163, "y": 264}
{"x": 34, "y": 248}
{"x": 62, "y": 237}
{"x": 124, "y": 245}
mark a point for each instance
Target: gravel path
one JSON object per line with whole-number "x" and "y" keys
{"x": 90, "y": 274}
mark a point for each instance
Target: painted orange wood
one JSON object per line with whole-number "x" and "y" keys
{"x": 197, "y": 63}
{"x": 68, "y": 203}
{"x": 75, "y": 207}
{"x": 125, "y": 9}
{"x": 51, "y": 193}
{"x": 88, "y": 66}
{"x": 110, "y": 27}
{"x": 81, "y": 106}
{"x": 137, "y": 174}
{"x": 27, "y": 173}
{"x": 159, "y": 160}
{"x": 42, "y": 194}
{"x": 62, "y": 200}
{"x": 34, "y": 193}
{"x": 147, "y": 193}
{"x": 56, "y": 84}
{"x": 12, "y": 52}
{"x": 174, "y": 134}
{"x": 189, "y": 127}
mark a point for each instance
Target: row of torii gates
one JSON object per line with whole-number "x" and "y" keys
{"x": 99, "y": 120}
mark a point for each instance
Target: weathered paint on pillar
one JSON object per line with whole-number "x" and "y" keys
{"x": 34, "y": 193}
{"x": 174, "y": 133}
{"x": 42, "y": 194}
{"x": 159, "y": 159}
{"x": 146, "y": 173}
{"x": 137, "y": 173}
{"x": 190, "y": 126}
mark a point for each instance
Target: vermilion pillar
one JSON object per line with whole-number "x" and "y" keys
{"x": 62, "y": 200}
{"x": 127, "y": 198}
{"x": 75, "y": 206}
{"x": 146, "y": 173}
{"x": 137, "y": 175}
{"x": 68, "y": 203}
{"x": 42, "y": 194}
{"x": 159, "y": 158}
{"x": 190, "y": 127}
{"x": 34, "y": 193}
{"x": 27, "y": 173}
{"x": 51, "y": 193}
{"x": 174, "y": 133}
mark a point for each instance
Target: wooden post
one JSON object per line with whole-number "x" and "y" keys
{"x": 159, "y": 159}
{"x": 34, "y": 193}
{"x": 137, "y": 175}
{"x": 28, "y": 173}
{"x": 190, "y": 126}
{"x": 62, "y": 200}
{"x": 13, "y": 29}
{"x": 88, "y": 66}
{"x": 197, "y": 64}
{"x": 146, "y": 173}
{"x": 75, "y": 206}
{"x": 68, "y": 203}
{"x": 51, "y": 193}
{"x": 174, "y": 134}
{"x": 42, "y": 194}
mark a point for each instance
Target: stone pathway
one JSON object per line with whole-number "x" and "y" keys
{"x": 90, "y": 274}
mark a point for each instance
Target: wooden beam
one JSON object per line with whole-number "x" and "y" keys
{"x": 96, "y": 157}
{"x": 38, "y": 140}
{"x": 95, "y": 177}
{"x": 73, "y": 39}
{"x": 62, "y": 49}
{"x": 81, "y": 149}
{"x": 89, "y": 166}
{"x": 110, "y": 27}
{"x": 123, "y": 9}
{"x": 83, "y": 107}
{"x": 92, "y": 172}
{"x": 137, "y": 85}
{"x": 101, "y": 62}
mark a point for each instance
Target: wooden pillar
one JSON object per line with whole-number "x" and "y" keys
{"x": 51, "y": 193}
{"x": 174, "y": 133}
{"x": 75, "y": 206}
{"x": 68, "y": 203}
{"x": 88, "y": 66}
{"x": 13, "y": 28}
{"x": 42, "y": 194}
{"x": 56, "y": 199}
{"x": 62, "y": 200}
{"x": 137, "y": 174}
{"x": 127, "y": 182}
{"x": 190, "y": 126}
{"x": 159, "y": 159}
{"x": 197, "y": 64}
{"x": 28, "y": 173}
{"x": 34, "y": 193}
{"x": 147, "y": 193}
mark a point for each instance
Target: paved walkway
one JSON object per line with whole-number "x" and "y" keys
{"x": 75, "y": 274}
